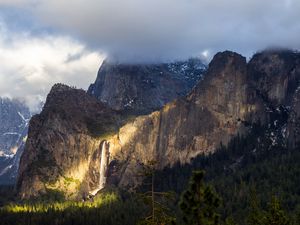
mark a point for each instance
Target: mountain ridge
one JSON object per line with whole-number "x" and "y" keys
{"x": 233, "y": 95}
{"x": 144, "y": 88}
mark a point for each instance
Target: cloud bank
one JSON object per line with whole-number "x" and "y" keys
{"x": 135, "y": 30}
{"x": 31, "y": 65}
{"x": 48, "y": 40}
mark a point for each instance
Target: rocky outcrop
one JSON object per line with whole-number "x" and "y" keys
{"x": 62, "y": 141}
{"x": 275, "y": 76}
{"x": 144, "y": 88}
{"x": 14, "y": 119}
{"x": 233, "y": 95}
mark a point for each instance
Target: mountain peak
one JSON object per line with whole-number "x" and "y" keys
{"x": 226, "y": 58}
{"x": 59, "y": 87}
{"x": 143, "y": 88}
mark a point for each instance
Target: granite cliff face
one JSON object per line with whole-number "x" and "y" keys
{"x": 62, "y": 141}
{"x": 214, "y": 112}
{"x": 14, "y": 120}
{"x": 275, "y": 76}
{"x": 141, "y": 89}
{"x": 74, "y": 127}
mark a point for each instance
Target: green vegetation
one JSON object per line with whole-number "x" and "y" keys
{"x": 199, "y": 203}
{"x": 69, "y": 181}
{"x": 102, "y": 126}
{"x": 158, "y": 203}
{"x": 248, "y": 164}
{"x": 104, "y": 209}
{"x": 257, "y": 183}
{"x": 274, "y": 215}
{"x": 52, "y": 195}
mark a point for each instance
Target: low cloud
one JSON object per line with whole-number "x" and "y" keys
{"x": 129, "y": 31}
{"x": 137, "y": 30}
{"x": 31, "y": 65}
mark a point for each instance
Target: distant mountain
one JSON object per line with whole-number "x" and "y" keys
{"x": 14, "y": 120}
{"x": 143, "y": 88}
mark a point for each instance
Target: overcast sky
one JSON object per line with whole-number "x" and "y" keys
{"x": 47, "y": 41}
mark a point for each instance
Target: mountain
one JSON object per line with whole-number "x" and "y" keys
{"x": 74, "y": 122}
{"x": 14, "y": 120}
{"x": 76, "y": 134}
{"x": 141, "y": 89}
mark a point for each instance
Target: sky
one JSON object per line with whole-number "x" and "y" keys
{"x": 43, "y": 42}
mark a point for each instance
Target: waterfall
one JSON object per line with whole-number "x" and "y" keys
{"x": 104, "y": 161}
{"x": 104, "y": 164}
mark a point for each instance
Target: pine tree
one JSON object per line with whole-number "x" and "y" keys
{"x": 157, "y": 201}
{"x": 275, "y": 214}
{"x": 256, "y": 215}
{"x": 199, "y": 202}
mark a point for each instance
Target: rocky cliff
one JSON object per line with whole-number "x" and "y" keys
{"x": 14, "y": 120}
{"x": 63, "y": 141}
{"x": 64, "y": 150}
{"x": 144, "y": 88}
{"x": 275, "y": 76}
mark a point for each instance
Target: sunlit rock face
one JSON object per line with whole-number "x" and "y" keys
{"x": 62, "y": 141}
{"x": 143, "y": 88}
{"x": 14, "y": 119}
{"x": 233, "y": 95}
{"x": 63, "y": 150}
{"x": 213, "y": 113}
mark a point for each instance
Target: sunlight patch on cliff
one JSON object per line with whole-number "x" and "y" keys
{"x": 167, "y": 107}
{"x": 127, "y": 133}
